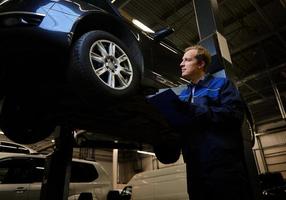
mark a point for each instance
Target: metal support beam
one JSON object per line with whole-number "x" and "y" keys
{"x": 267, "y": 21}
{"x": 255, "y": 41}
{"x": 261, "y": 74}
{"x": 206, "y": 12}
{"x": 120, "y": 3}
{"x": 210, "y": 29}
{"x": 55, "y": 185}
{"x": 114, "y": 168}
{"x": 279, "y": 100}
{"x": 178, "y": 7}
{"x": 254, "y": 91}
{"x": 258, "y": 101}
{"x": 261, "y": 150}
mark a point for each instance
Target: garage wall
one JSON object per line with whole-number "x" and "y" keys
{"x": 126, "y": 170}
{"x": 270, "y": 151}
{"x": 135, "y": 164}
{"x": 104, "y": 157}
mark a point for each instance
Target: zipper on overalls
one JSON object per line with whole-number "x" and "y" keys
{"x": 193, "y": 93}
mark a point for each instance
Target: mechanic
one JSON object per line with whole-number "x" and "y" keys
{"x": 212, "y": 143}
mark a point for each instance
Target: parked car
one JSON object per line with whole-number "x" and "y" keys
{"x": 12, "y": 147}
{"x": 21, "y": 177}
{"x": 273, "y": 186}
{"x": 165, "y": 183}
{"x": 124, "y": 194}
{"x": 78, "y": 63}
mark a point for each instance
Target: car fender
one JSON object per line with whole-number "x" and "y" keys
{"x": 75, "y": 19}
{"x": 104, "y": 21}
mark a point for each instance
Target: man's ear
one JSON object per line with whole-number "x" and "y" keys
{"x": 201, "y": 64}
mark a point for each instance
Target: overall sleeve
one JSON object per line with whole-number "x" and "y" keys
{"x": 229, "y": 110}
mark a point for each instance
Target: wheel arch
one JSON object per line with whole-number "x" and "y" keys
{"x": 111, "y": 25}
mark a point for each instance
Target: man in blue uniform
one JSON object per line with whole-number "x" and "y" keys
{"x": 212, "y": 141}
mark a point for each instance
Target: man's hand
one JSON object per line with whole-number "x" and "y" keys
{"x": 184, "y": 107}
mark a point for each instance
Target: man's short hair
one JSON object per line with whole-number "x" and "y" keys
{"x": 202, "y": 55}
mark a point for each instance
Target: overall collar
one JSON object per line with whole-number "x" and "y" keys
{"x": 204, "y": 81}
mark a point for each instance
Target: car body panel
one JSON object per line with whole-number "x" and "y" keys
{"x": 31, "y": 190}
{"x": 34, "y": 190}
{"x": 7, "y": 146}
{"x": 165, "y": 183}
{"x": 32, "y": 6}
{"x": 14, "y": 192}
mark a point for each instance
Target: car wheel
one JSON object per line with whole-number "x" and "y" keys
{"x": 2, "y": 82}
{"x": 113, "y": 195}
{"x": 167, "y": 153}
{"x": 85, "y": 196}
{"x": 101, "y": 64}
{"x": 22, "y": 124}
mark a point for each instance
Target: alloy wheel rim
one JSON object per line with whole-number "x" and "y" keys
{"x": 111, "y": 64}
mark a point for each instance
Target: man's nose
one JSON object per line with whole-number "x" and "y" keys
{"x": 182, "y": 64}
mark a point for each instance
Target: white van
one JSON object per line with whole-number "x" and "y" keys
{"x": 168, "y": 183}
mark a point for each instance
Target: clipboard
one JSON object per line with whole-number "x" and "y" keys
{"x": 166, "y": 102}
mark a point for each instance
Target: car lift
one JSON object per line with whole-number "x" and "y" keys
{"x": 57, "y": 173}
{"x": 55, "y": 185}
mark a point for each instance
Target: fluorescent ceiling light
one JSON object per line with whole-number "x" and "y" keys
{"x": 146, "y": 152}
{"x": 142, "y": 26}
{"x": 113, "y": 1}
{"x": 42, "y": 168}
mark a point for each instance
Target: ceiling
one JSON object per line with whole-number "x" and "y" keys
{"x": 256, "y": 34}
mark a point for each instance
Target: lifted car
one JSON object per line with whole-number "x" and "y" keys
{"x": 78, "y": 63}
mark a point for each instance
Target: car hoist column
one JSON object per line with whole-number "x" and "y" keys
{"x": 210, "y": 33}
{"x": 55, "y": 185}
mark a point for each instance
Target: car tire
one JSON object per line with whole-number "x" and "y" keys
{"x": 22, "y": 124}
{"x": 101, "y": 64}
{"x": 167, "y": 153}
{"x": 85, "y": 196}
{"x": 113, "y": 195}
{"x": 2, "y": 82}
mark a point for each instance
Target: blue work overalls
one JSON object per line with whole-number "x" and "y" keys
{"x": 212, "y": 143}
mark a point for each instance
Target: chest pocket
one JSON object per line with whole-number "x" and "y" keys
{"x": 207, "y": 97}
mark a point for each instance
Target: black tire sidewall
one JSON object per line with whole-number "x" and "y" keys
{"x": 167, "y": 154}
{"x": 81, "y": 73}
{"x": 20, "y": 126}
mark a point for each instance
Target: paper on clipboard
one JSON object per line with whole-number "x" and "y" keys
{"x": 166, "y": 102}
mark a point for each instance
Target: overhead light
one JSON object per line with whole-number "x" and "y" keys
{"x": 146, "y": 152}
{"x": 113, "y": 1}
{"x": 41, "y": 168}
{"x": 142, "y": 26}
{"x": 3, "y": 2}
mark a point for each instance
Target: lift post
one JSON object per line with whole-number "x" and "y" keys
{"x": 55, "y": 185}
{"x": 210, "y": 32}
